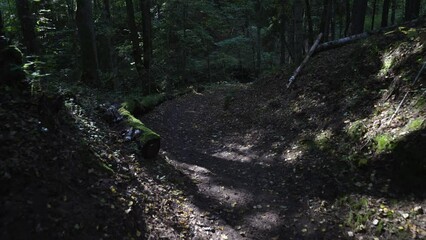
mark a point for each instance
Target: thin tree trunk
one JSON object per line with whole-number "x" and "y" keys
{"x": 325, "y": 19}
{"x": 283, "y": 33}
{"x": 393, "y": 14}
{"x": 348, "y": 17}
{"x": 147, "y": 40}
{"x": 1, "y": 24}
{"x": 137, "y": 55}
{"x": 358, "y": 16}
{"x": 298, "y": 26}
{"x": 385, "y": 13}
{"x": 310, "y": 24}
{"x": 333, "y": 19}
{"x": 258, "y": 39}
{"x": 86, "y": 33}
{"x": 105, "y": 45}
{"x": 27, "y": 26}
{"x": 374, "y": 14}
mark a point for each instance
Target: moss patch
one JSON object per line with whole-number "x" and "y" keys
{"x": 146, "y": 135}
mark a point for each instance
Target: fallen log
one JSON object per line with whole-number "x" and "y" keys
{"x": 341, "y": 42}
{"x": 134, "y": 130}
{"x": 299, "y": 69}
{"x": 148, "y": 140}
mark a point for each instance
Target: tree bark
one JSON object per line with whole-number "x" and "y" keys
{"x": 105, "y": 45}
{"x": 298, "y": 26}
{"x": 373, "y": 14}
{"x": 1, "y": 24}
{"x": 147, "y": 40}
{"x": 137, "y": 55}
{"x": 385, "y": 13}
{"x": 358, "y": 16}
{"x": 86, "y": 33}
{"x": 283, "y": 29}
{"x": 412, "y": 9}
{"x": 393, "y": 14}
{"x": 310, "y": 24}
{"x": 348, "y": 16}
{"x": 325, "y": 19}
{"x": 27, "y": 21}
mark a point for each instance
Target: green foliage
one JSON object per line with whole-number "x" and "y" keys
{"x": 383, "y": 143}
{"x": 415, "y": 124}
{"x": 356, "y": 130}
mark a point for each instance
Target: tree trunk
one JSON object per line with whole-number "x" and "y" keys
{"x": 412, "y": 9}
{"x": 358, "y": 16}
{"x": 325, "y": 19}
{"x": 105, "y": 45}
{"x": 393, "y": 14}
{"x": 283, "y": 33}
{"x": 147, "y": 40}
{"x": 298, "y": 27}
{"x": 348, "y": 16}
{"x": 310, "y": 24}
{"x": 137, "y": 55}
{"x": 258, "y": 38}
{"x": 1, "y": 24}
{"x": 333, "y": 19}
{"x": 27, "y": 26}
{"x": 373, "y": 14}
{"x": 385, "y": 13}
{"x": 86, "y": 33}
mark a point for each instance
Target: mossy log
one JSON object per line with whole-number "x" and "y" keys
{"x": 145, "y": 137}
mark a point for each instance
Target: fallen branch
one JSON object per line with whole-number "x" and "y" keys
{"x": 341, "y": 42}
{"x": 406, "y": 94}
{"x": 299, "y": 69}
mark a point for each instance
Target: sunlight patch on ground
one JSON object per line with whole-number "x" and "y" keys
{"x": 263, "y": 220}
{"x": 228, "y": 196}
{"x": 292, "y": 154}
{"x": 237, "y": 152}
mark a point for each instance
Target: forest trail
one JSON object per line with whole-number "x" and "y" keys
{"x": 237, "y": 176}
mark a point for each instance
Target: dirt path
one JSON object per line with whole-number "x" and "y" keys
{"x": 237, "y": 175}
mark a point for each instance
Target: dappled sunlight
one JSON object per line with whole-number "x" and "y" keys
{"x": 264, "y": 221}
{"x": 228, "y": 197}
{"x": 237, "y": 152}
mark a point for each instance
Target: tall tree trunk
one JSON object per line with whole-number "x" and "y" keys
{"x": 325, "y": 20}
{"x": 137, "y": 54}
{"x": 373, "y": 14}
{"x": 283, "y": 18}
{"x": 86, "y": 33}
{"x": 358, "y": 16}
{"x": 298, "y": 28}
{"x": 310, "y": 25}
{"x": 147, "y": 40}
{"x": 393, "y": 14}
{"x": 348, "y": 16}
{"x": 27, "y": 26}
{"x": 1, "y": 23}
{"x": 412, "y": 9}
{"x": 333, "y": 19}
{"x": 258, "y": 50}
{"x": 105, "y": 49}
{"x": 258, "y": 38}
{"x": 385, "y": 13}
